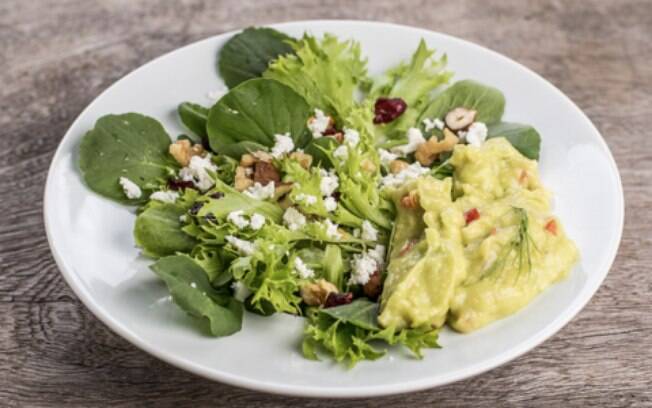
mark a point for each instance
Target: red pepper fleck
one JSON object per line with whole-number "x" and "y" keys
{"x": 338, "y": 299}
{"x": 522, "y": 178}
{"x": 471, "y": 215}
{"x": 406, "y": 248}
{"x": 388, "y": 109}
{"x": 179, "y": 184}
{"x": 551, "y": 227}
{"x": 493, "y": 231}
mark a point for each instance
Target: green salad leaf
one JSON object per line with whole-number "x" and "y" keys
{"x": 158, "y": 232}
{"x": 194, "y": 117}
{"x": 350, "y": 333}
{"x": 524, "y": 138}
{"x": 325, "y": 72}
{"x": 192, "y": 292}
{"x": 233, "y": 200}
{"x": 248, "y": 54}
{"x": 488, "y": 101}
{"x": 252, "y": 113}
{"x": 130, "y": 145}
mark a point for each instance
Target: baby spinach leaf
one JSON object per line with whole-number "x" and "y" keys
{"x": 191, "y": 291}
{"x": 361, "y": 313}
{"x": 248, "y": 54}
{"x": 488, "y": 101}
{"x": 129, "y": 145}
{"x": 255, "y": 111}
{"x": 194, "y": 117}
{"x": 524, "y": 138}
{"x": 158, "y": 233}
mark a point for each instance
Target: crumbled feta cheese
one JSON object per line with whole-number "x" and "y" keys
{"x": 283, "y": 145}
{"x": 260, "y": 192}
{"x": 378, "y": 253}
{"x": 328, "y": 184}
{"x": 240, "y": 291}
{"x": 307, "y": 198}
{"x": 362, "y": 267}
{"x": 369, "y": 232}
{"x": 412, "y": 171}
{"x": 319, "y": 124}
{"x": 331, "y": 229}
{"x": 131, "y": 189}
{"x": 431, "y": 124}
{"x": 165, "y": 196}
{"x": 238, "y": 219}
{"x": 330, "y": 204}
{"x": 183, "y": 218}
{"x": 356, "y": 232}
{"x": 293, "y": 219}
{"x": 302, "y": 269}
{"x": 197, "y": 172}
{"x": 415, "y": 138}
{"x": 351, "y": 136}
{"x": 193, "y": 285}
{"x": 342, "y": 152}
{"x": 477, "y": 134}
{"x": 257, "y": 221}
{"x": 244, "y": 247}
{"x": 386, "y": 157}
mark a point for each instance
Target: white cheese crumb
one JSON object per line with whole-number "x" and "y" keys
{"x": 356, "y": 232}
{"x": 412, "y": 171}
{"x": 283, "y": 145}
{"x": 415, "y": 138}
{"x": 362, "y": 267}
{"x": 328, "y": 184}
{"x": 342, "y": 152}
{"x": 378, "y": 253}
{"x": 351, "y": 136}
{"x": 319, "y": 124}
{"x": 302, "y": 269}
{"x": 244, "y": 247}
{"x": 257, "y": 221}
{"x": 330, "y": 204}
{"x": 197, "y": 172}
{"x": 307, "y": 198}
{"x": 293, "y": 219}
{"x": 477, "y": 134}
{"x": 431, "y": 124}
{"x": 386, "y": 157}
{"x": 240, "y": 291}
{"x": 331, "y": 229}
{"x": 165, "y": 196}
{"x": 131, "y": 189}
{"x": 369, "y": 232}
{"x": 183, "y": 218}
{"x": 193, "y": 285}
{"x": 238, "y": 219}
{"x": 260, "y": 192}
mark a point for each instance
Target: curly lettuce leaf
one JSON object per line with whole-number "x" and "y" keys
{"x": 325, "y": 72}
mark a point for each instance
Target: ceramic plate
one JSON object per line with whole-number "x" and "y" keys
{"x": 91, "y": 237}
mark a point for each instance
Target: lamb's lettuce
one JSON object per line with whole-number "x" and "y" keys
{"x": 524, "y": 138}
{"x": 194, "y": 117}
{"x": 251, "y": 114}
{"x": 248, "y": 54}
{"x": 130, "y": 145}
{"x": 191, "y": 290}
{"x": 158, "y": 230}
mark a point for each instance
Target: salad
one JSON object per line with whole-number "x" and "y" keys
{"x": 378, "y": 208}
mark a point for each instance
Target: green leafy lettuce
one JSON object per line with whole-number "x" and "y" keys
{"x": 158, "y": 230}
{"x": 524, "y": 138}
{"x": 194, "y": 117}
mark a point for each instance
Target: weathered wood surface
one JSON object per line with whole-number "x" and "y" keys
{"x": 56, "y": 56}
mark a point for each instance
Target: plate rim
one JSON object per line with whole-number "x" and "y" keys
{"x": 553, "y": 327}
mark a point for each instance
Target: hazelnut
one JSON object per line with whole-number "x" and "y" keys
{"x": 397, "y": 166}
{"x": 316, "y": 293}
{"x": 460, "y": 118}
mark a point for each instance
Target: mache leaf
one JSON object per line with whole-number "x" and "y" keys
{"x": 130, "y": 145}
{"x": 191, "y": 291}
{"x": 524, "y": 138}
{"x": 248, "y": 54}
{"x": 158, "y": 233}
{"x": 194, "y": 117}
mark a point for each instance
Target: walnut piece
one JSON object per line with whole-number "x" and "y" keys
{"x": 247, "y": 160}
{"x": 397, "y": 166}
{"x": 182, "y": 151}
{"x": 304, "y": 159}
{"x": 265, "y": 173}
{"x": 242, "y": 180}
{"x": 427, "y": 152}
{"x": 316, "y": 293}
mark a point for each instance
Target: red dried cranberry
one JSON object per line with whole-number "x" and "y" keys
{"x": 338, "y": 299}
{"x": 179, "y": 184}
{"x": 471, "y": 215}
{"x": 388, "y": 109}
{"x": 330, "y": 131}
{"x": 194, "y": 210}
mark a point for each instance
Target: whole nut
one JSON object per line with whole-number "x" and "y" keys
{"x": 316, "y": 293}
{"x": 397, "y": 166}
{"x": 460, "y": 118}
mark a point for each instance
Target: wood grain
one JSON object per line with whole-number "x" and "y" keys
{"x": 56, "y": 56}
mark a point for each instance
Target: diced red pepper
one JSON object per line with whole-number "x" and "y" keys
{"x": 551, "y": 227}
{"x": 471, "y": 215}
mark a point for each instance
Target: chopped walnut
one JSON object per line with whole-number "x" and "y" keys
{"x": 183, "y": 150}
{"x": 265, "y": 173}
{"x": 304, "y": 159}
{"x": 263, "y": 156}
{"x": 316, "y": 293}
{"x": 397, "y": 166}
{"x": 247, "y": 160}
{"x": 427, "y": 152}
{"x": 410, "y": 200}
{"x": 242, "y": 180}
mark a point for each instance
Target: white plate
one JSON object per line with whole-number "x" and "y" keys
{"x": 92, "y": 242}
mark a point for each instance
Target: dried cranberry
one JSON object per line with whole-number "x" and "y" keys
{"x": 471, "y": 215}
{"x": 330, "y": 131}
{"x": 194, "y": 210}
{"x": 388, "y": 109}
{"x": 217, "y": 195}
{"x": 179, "y": 184}
{"x": 338, "y": 299}
{"x": 336, "y": 195}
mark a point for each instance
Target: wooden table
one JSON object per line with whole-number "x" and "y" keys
{"x": 56, "y": 56}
